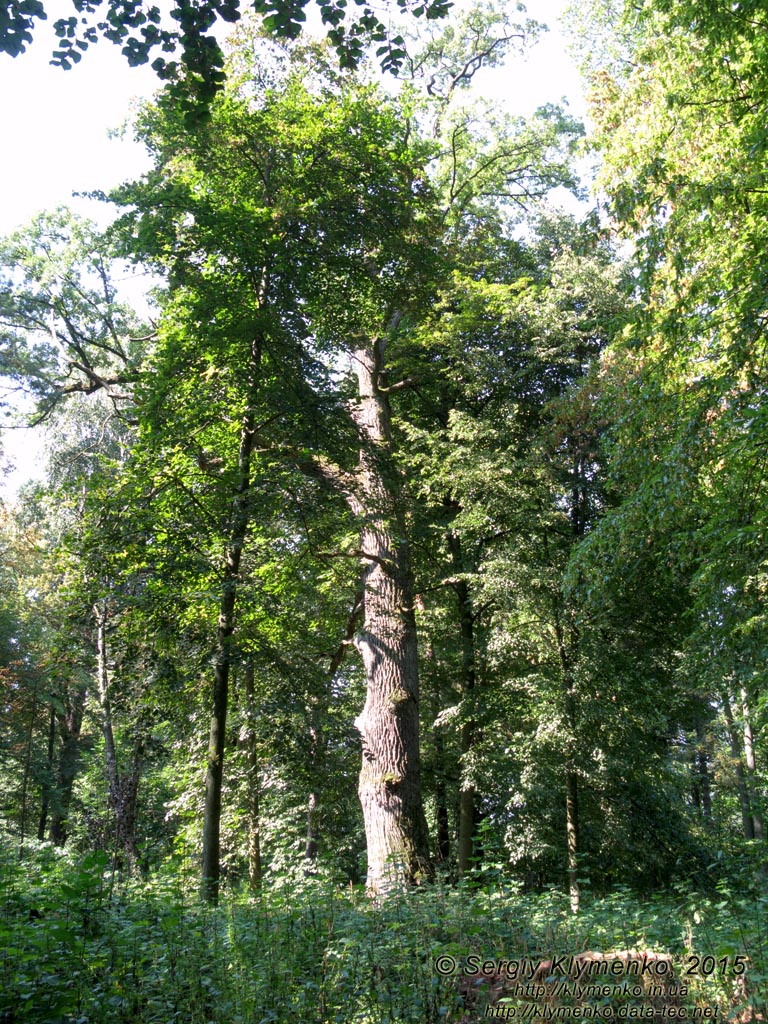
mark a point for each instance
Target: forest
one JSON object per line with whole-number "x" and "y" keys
{"x": 390, "y": 623}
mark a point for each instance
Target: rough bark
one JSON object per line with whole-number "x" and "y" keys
{"x": 238, "y": 529}
{"x": 390, "y": 778}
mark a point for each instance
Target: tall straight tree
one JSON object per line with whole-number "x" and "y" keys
{"x": 287, "y": 227}
{"x": 489, "y": 169}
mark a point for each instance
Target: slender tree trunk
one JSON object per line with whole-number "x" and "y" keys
{"x": 102, "y": 679}
{"x": 571, "y": 777}
{"x": 572, "y": 831}
{"x": 26, "y": 776}
{"x": 123, "y": 785}
{"x": 46, "y": 794}
{"x": 316, "y": 751}
{"x": 239, "y": 522}
{"x": 568, "y": 649}
{"x": 571, "y": 794}
{"x": 253, "y": 783}
{"x": 747, "y": 823}
{"x": 467, "y": 815}
{"x": 441, "y": 801}
{"x": 695, "y": 790}
{"x": 318, "y": 709}
{"x": 749, "y": 760}
{"x": 310, "y": 846}
{"x": 390, "y": 778}
{"x": 70, "y": 725}
{"x": 442, "y": 819}
{"x": 706, "y": 792}
{"x": 702, "y": 793}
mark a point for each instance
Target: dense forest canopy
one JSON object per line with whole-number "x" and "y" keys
{"x": 410, "y": 539}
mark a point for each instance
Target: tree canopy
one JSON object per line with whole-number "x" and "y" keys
{"x": 185, "y": 43}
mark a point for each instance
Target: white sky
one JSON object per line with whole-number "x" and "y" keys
{"x": 55, "y": 127}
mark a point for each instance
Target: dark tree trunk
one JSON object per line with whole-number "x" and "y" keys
{"x": 239, "y": 522}
{"x": 27, "y": 775}
{"x": 467, "y": 810}
{"x": 571, "y": 778}
{"x": 568, "y": 646}
{"x": 706, "y": 792}
{"x": 318, "y": 710}
{"x": 702, "y": 793}
{"x": 253, "y": 783}
{"x": 310, "y": 846}
{"x": 123, "y": 785}
{"x": 70, "y": 725}
{"x": 214, "y": 776}
{"x": 390, "y": 778}
{"x": 316, "y": 766}
{"x": 441, "y": 801}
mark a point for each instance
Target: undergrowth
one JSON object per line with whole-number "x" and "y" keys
{"x": 78, "y": 946}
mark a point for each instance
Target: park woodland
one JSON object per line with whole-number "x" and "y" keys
{"x": 392, "y": 604}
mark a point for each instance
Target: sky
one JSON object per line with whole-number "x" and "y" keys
{"x": 58, "y": 130}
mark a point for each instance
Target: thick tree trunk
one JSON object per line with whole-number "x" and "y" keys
{"x": 390, "y": 778}
{"x": 239, "y": 522}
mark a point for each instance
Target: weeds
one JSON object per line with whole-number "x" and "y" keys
{"x": 78, "y": 946}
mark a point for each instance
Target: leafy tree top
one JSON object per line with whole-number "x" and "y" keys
{"x": 188, "y": 49}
